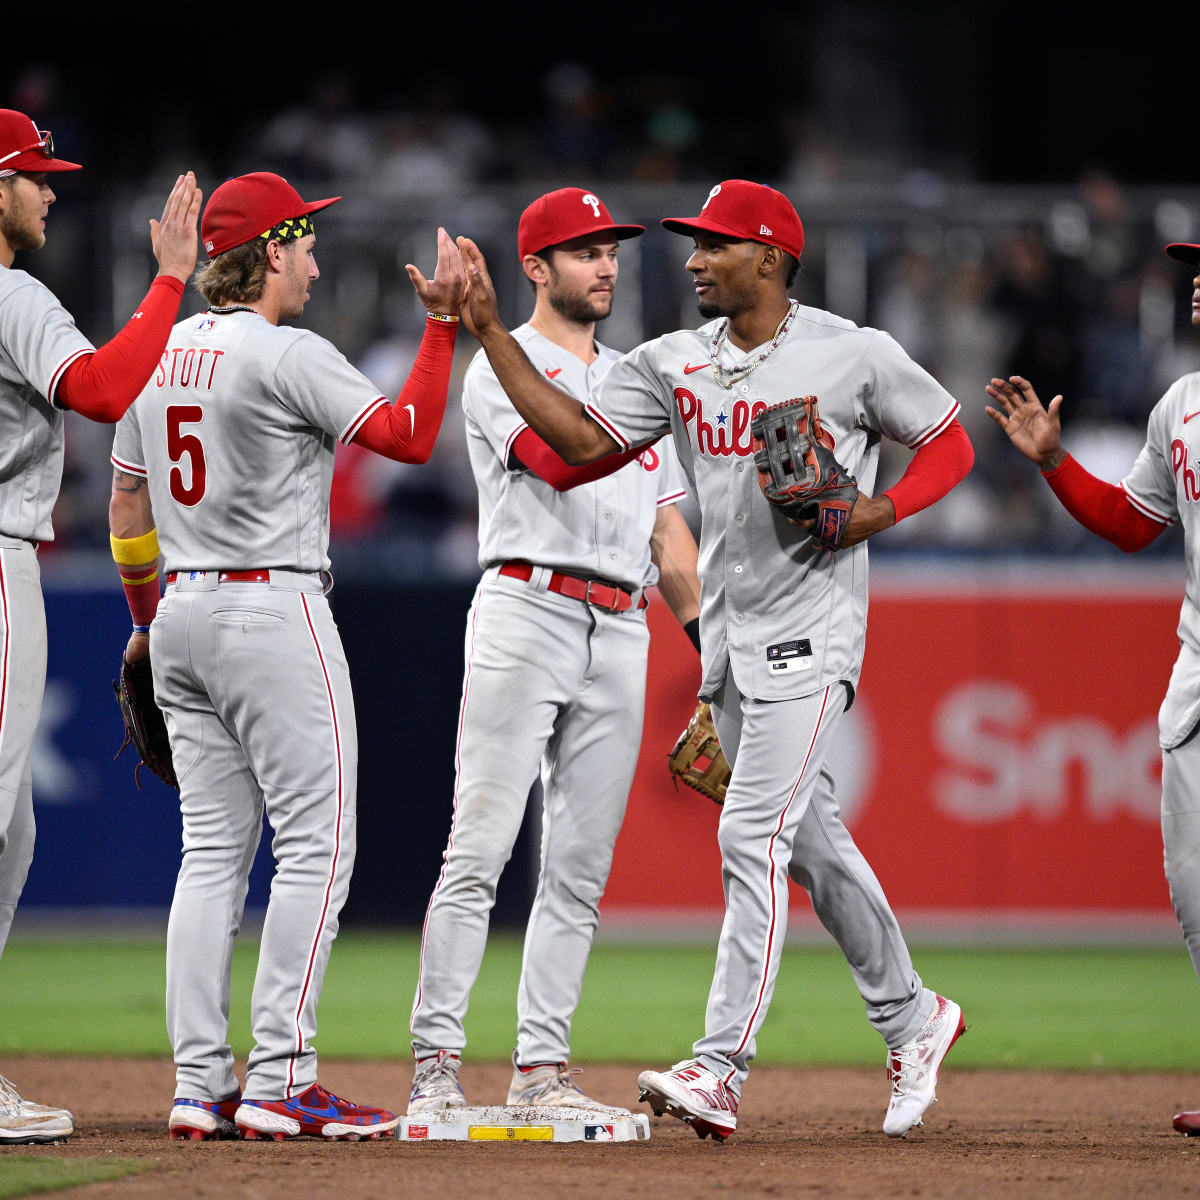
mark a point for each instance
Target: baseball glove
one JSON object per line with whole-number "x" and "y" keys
{"x": 798, "y": 472}
{"x": 144, "y": 724}
{"x": 697, "y": 758}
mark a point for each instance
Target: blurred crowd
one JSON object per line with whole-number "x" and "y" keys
{"x": 1065, "y": 284}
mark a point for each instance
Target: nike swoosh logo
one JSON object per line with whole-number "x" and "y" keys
{"x": 551, "y": 374}
{"x": 412, "y": 419}
{"x": 1191, "y": 415}
{"x": 688, "y": 368}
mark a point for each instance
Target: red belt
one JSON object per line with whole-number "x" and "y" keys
{"x": 262, "y": 575}
{"x": 591, "y": 591}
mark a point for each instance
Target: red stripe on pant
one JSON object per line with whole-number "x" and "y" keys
{"x": 337, "y": 849}
{"x": 4, "y": 618}
{"x": 771, "y": 881}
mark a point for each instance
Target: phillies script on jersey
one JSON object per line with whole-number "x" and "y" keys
{"x": 730, "y": 434}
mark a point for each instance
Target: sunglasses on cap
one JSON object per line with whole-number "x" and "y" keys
{"x": 45, "y": 146}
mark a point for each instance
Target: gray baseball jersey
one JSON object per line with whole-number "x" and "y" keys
{"x": 235, "y": 435}
{"x": 38, "y": 341}
{"x": 1164, "y": 485}
{"x": 790, "y": 617}
{"x": 783, "y": 627}
{"x": 235, "y": 432}
{"x": 575, "y": 713}
{"x": 600, "y": 529}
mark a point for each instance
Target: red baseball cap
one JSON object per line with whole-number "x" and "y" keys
{"x": 25, "y": 147}
{"x": 748, "y": 212}
{"x": 1186, "y": 252}
{"x": 568, "y": 213}
{"x": 243, "y": 208}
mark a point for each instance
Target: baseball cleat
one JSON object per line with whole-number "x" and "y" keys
{"x": 913, "y": 1068}
{"x": 435, "y": 1084}
{"x": 1187, "y": 1123}
{"x": 24, "y": 1123}
{"x": 314, "y": 1113}
{"x": 550, "y": 1085}
{"x": 204, "y": 1120}
{"x": 694, "y": 1094}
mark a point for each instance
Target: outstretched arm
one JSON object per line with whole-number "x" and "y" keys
{"x": 1034, "y": 430}
{"x": 406, "y": 431}
{"x": 103, "y": 385}
{"x": 554, "y": 416}
{"x": 1098, "y": 506}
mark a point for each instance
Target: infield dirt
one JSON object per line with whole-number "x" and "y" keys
{"x": 811, "y": 1132}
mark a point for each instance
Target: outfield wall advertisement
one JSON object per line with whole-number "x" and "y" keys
{"x": 1001, "y": 758}
{"x": 1000, "y": 762}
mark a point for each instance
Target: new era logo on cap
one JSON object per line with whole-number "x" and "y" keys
{"x": 752, "y": 212}
{"x": 564, "y": 215}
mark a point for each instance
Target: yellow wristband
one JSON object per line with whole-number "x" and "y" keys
{"x": 446, "y": 318}
{"x": 137, "y": 582}
{"x": 132, "y": 552}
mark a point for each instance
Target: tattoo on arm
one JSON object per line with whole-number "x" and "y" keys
{"x": 124, "y": 482}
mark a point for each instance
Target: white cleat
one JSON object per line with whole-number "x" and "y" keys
{"x": 549, "y": 1085}
{"x": 694, "y": 1094}
{"x": 24, "y": 1123}
{"x": 913, "y": 1067}
{"x": 435, "y": 1085}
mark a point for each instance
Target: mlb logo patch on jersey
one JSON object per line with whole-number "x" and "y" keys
{"x": 195, "y": 575}
{"x": 205, "y": 325}
{"x": 795, "y": 655}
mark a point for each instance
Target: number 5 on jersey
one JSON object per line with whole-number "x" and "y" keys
{"x": 182, "y": 445}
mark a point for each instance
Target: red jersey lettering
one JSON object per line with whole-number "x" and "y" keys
{"x": 728, "y": 435}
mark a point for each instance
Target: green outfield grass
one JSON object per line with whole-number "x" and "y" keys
{"x": 644, "y": 1003}
{"x": 26, "y": 1175}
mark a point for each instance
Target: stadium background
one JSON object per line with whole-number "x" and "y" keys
{"x": 971, "y": 178}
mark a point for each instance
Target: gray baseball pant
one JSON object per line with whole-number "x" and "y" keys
{"x": 253, "y": 682}
{"x": 781, "y": 818}
{"x": 549, "y": 682}
{"x": 22, "y": 684}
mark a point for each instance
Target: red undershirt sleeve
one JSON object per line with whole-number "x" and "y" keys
{"x": 532, "y": 452}
{"x": 406, "y": 431}
{"x": 1101, "y": 507}
{"x": 933, "y": 470}
{"x": 103, "y": 385}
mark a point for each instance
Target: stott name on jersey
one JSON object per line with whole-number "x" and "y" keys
{"x": 180, "y": 368}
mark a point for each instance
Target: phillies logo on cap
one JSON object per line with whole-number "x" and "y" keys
{"x": 746, "y": 212}
{"x": 566, "y": 214}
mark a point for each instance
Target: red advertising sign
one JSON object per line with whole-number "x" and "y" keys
{"x": 1001, "y": 757}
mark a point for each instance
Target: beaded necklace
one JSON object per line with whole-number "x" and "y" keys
{"x": 225, "y": 309}
{"x": 728, "y": 376}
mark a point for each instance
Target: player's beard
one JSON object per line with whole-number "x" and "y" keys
{"x": 579, "y": 307}
{"x": 727, "y": 303}
{"x": 19, "y": 224}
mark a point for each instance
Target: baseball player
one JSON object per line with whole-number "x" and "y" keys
{"x": 567, "y": 559}
{"x": 782, "y": 622}
{"x": 230, "y": 448}
{"x": 1162, "y": 487}
{"x": 46, "y": 366}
